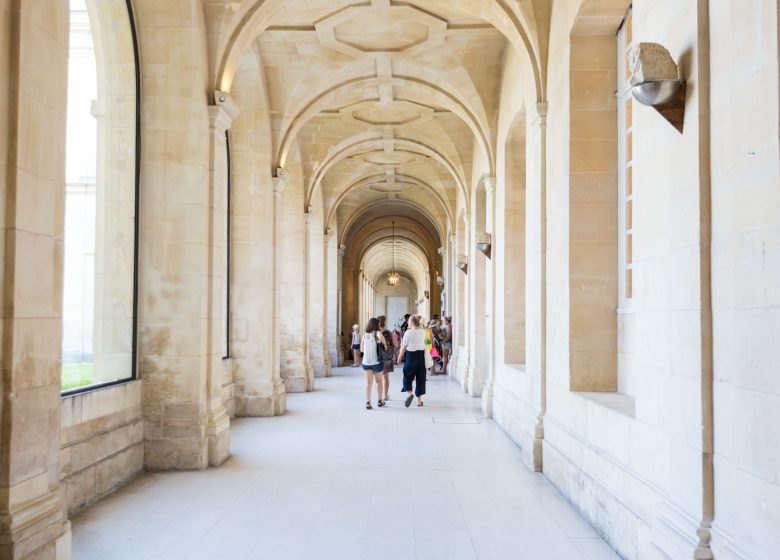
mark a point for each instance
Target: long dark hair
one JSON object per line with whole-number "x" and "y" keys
{"x": 373, "y": 325}
{"x": 382, "y": 320}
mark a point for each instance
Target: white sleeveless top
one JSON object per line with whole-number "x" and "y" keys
{"x": 368, "y": 346}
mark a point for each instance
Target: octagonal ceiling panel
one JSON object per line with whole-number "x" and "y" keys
{"x": 376, "y": 29}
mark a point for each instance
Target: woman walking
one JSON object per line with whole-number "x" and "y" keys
{"x": 445, "y": 335}
{"x": 413, "y": 354}
{"x": 388, "y": 357}
{"x": 355, "y": 345}
{"x": 369, "y": 345}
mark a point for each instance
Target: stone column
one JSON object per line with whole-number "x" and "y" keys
{"x": 342, "y": 250}
{"x": 490, "y": 296}
{"x": 33, "y": 520}
{"x": 540, "y": 399}
{"x": 326, "y": 302}
{"x": 314, "y": 311}
{"x": 465, "y": 311}
{"x": 477, "y": 272}
{"x": 278, "y": 392}
{"x": 221, "y": 116}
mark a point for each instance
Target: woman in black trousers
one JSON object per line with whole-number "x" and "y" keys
{"x": 413, "y": 350}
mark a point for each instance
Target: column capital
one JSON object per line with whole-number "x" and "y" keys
{"x": 490, "y": 184}
{"x": 280, "y": 180}
{"x": 329, "y": 234}
{"x": 223, "y": 112}
{"x": 342, "y": 250}
{"x": 225, "y": 100}
{"x": 540, "y": 119}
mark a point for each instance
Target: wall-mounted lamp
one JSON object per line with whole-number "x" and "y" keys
{"x": 484, "y": 243}
{"x": 462, "y": 264}
{"x": 655, "y": 81}
{"x": 440, "y": 281}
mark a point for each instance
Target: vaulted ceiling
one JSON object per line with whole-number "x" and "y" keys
{"x": 382, "y": 104}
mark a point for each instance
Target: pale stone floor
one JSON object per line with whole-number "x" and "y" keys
{"x": 331, "y": 480}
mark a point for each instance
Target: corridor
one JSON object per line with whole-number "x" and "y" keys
{"x": 330, "y": 480}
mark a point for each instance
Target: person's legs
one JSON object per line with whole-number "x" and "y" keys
{"x": 408, "y": 378}
{"x": 386, "y": 384}
{"x": 445, "y": 359}
{"x": 355, "y": 361}
{"x": 419, "y": 386}
{"x": 378, "y": 378}
{"x": 369, "y": 382}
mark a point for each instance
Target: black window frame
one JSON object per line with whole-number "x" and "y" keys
{"x": 136, "y": 225}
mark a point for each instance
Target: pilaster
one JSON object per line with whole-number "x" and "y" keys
{"x": 221, "y": 116}
{"x": 33, "y": 518}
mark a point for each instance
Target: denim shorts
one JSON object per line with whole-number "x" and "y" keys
{"x": 376, "y": 368}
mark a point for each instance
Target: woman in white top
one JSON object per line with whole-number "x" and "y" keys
{"x": 413, "y": 350}
{"x": 371, "y": 363}
{"x": 355, "y": 345}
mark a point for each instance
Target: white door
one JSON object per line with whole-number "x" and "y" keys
{"x": 396, "y": 307}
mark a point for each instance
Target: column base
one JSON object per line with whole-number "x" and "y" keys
{"x": 487, "y": 400}
{"x": 218, "y": 433}
{"x": 274, "y": 404}
{"x": 38, "y": 529}
{"x": 538, "y": 449}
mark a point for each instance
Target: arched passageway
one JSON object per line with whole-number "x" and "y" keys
{"x": 201, "y": 197}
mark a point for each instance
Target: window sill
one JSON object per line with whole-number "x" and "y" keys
{"x": 97, "y": 387}
{"x": 617, "y": 402}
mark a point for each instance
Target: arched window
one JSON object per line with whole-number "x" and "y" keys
{"x": 101, "y": 197}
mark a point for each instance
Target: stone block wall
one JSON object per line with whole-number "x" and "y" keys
{"x": 101, "y": 442}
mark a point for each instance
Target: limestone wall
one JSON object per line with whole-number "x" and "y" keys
{"x": 255, "y": 360}
{"x": 634, "y": 460}
{"x": 101, "y": 442}
{"x": 746, "y": 277}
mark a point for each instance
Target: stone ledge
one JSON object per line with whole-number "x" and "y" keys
{"x": 617, "y": 402}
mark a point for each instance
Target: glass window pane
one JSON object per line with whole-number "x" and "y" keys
{"x": 99, "y": 262}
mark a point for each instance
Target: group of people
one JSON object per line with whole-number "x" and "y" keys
{"x": 419, "y": 347}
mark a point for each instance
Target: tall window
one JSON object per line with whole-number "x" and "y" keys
{"x": 226, "y": 291}
{"x": 100, "y": 237}
{"x": 625, "y": 163}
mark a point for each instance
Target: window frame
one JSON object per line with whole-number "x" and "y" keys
{"x": 136, "y": 222}
{"x": 623, "y": 96}
{"x": 228, "y": 214}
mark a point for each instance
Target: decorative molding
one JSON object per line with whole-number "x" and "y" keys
{"x": 226, "y": 101}
{"x": 280, "y": 180}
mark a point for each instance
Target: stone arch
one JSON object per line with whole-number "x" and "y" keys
{"x": 384, "y": 202}
{"x": 319, "y": 100}
{"x": 252, "y": 18}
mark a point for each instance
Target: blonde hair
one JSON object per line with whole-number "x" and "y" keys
{"x": 415, "y": 320}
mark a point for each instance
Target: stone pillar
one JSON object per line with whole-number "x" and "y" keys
{"x": 343, "y": 359}
{"x": 33, "y": 519}
{"x": 465, "y": 309}
{"x": 477, "y": 270}
{"x": 540, "y": 399}
{"x": 314, "y": 281}
{"x": 278, "y": 394}
{"x": 294, "y": 290}
{"x": 327, "y": 301}
{"x": 490, "y": 298}
{"x": 221, "y": 116}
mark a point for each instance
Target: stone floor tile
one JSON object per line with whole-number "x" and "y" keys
{"x": 332, "y": 480}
